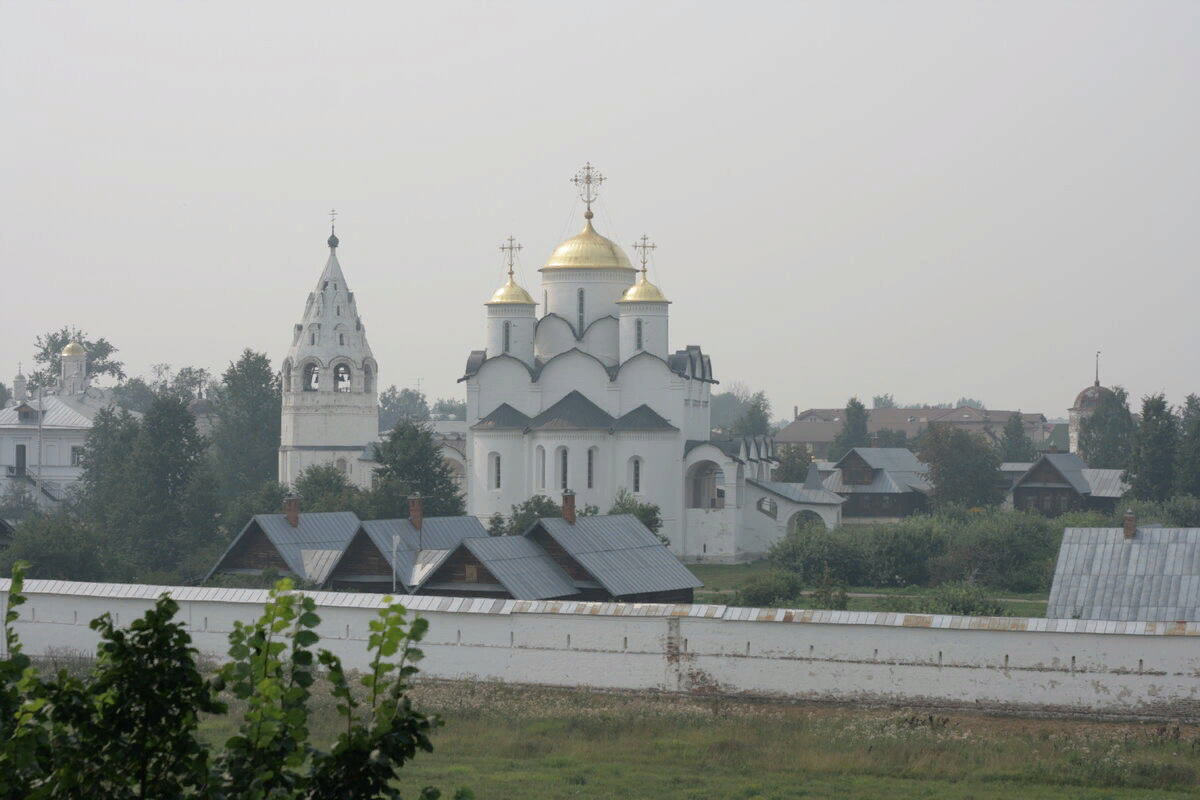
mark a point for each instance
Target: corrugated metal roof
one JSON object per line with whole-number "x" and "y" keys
{"x": 1016, "y": 466}
{"x": 1069, "y": 465}
{"x": 319, "y": 531}
{"x": 526, "y": 570}
{"x": 621, "y": 553}
{"x": 1106, "y": 482}
{"x": 58, "y": 414}
{"x": 1154, "y": 576}
{"x": 799, "y": 493}
{"x": 437, "y": 533}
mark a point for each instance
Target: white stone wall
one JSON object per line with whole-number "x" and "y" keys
{"x": 1026, "y": 665}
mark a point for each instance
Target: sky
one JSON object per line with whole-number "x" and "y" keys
{"x": 929, "y": 199}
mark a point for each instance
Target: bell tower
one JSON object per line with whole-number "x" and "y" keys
{"x": 330, "y": 382}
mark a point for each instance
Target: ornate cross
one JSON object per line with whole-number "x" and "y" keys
{"x": 645, "y": 246}
{"x": 510, "y": 253}
{"x": 332, "y": 217}
{"x": 588, "y": 181}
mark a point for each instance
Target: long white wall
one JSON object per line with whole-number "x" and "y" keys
{"x": 1007, "y": 664}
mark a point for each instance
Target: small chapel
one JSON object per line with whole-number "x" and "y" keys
{"x": 585, "y": 394}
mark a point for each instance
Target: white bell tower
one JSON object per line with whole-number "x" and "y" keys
{"x": 330, "y": 383}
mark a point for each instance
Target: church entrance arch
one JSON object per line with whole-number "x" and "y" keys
{"x": 803, "y": 519}
{"x": 704, "y": 485}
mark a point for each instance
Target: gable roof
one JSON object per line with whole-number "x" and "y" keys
{"x": 311, "y": 549}
{"x": 620, "y": 553}
{"x": 1068, "y": 465}
{"x": 643, "y": 418}
{"x": 1154, "y": 576}
{"x": 1106, "y": 482}
{"x": 525, "y": 570}
{"x": 503, "y": 417}
{"x": 573, "y": 412}
{"x": 896, "y": 471}
{"x": 800, "y": 492}
{"x": 57, "y": 412}
{"x": 418, "y": 553}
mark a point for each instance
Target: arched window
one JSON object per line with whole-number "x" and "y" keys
{"x": 368, "y": 379}
{"x": 312, "y": 377}
{"x": 637, "y": 333}
{"x": 342, "y": 339}
{"x": 507, "y": 336}
{"x": 339, "y": 311}
{"x": 541, "y": 467}
{"x": 637, "y": 476}
{"x": 341, "y": 466}
{"x": 768, "y": 506}
{"x": 312, "y": 338}
{"x": 341, "y": 378}
{"x": 581, "y": 312}
{"x": 591, "y": 468}
{"x": 561, "y": 467}
{"x": 545, "y": 303}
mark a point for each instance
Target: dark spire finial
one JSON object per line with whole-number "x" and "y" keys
{"x": 333, "y": 240}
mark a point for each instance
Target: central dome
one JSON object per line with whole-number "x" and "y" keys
{"x": 74, "y": 349}
{"x": 588, "y": 250}
{"x": 1091, "y": 397}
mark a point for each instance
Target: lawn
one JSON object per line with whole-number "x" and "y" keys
{"x": 528, "y": 743}
{"x": 722, "y": 580}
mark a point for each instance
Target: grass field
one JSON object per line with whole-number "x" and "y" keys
{"x": 523, "y": 743}
{"x": 722, "y": 580}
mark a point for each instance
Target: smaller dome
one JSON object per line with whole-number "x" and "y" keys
{"x": 74, "y": 349}
{"x": 510, "y": 294}
{"x": 643, "y": 292}
{"x": 201, "y": 406}
{"x": 1090, "y": 397}
{"x": 333, "y": 241}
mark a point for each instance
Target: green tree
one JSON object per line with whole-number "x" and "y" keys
{"x": 57, "y": 546}
{"x": 1151, "y": 470}
{"x": 1015, "y": 445}
{"x": 969, "y": 402}
{"x": 247, "y": 433}
{"x": 883, "y": 401}
{"x": 410, "y": 461}
{"x": 1106, "y": 435}
{"x": 525, "y": 514}
{"x": 264, "y": 499}
{"x": 1187, "y": 466}
{"x": 854, "y": 430}
{"x": 886, "y": 437}
{"x": 756, "y": 421}
{"x": 793, "y": 464}
{"x": 648, "y": 514}
{"x": 47, "y": 355}
{"x": 107, "y": 498}
{"x": 449, "y": 408}
{"x": 962, "y": 468}
{"x": 324, "y": 487}
{"x": 5, "y": 395}
{"x": 17, "y": 501}
{"x": 726, "y": 408}
{"x": 397, "y": 404}
{"x": 133, "y": 394}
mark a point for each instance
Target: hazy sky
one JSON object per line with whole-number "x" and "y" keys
{"x": 933, "y": 199}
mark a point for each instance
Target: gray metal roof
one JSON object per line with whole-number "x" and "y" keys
{"x": 799, "y": 493}
{"x": 1069, "y": 465}
{"x": 573, "y": 412}
{"x": 893, "y": 459}
{"x": 621, "y": 553}
{"x": 897, "y": 471}
{"x": 1154, "y": 576}
{"x": 1016, "y": 466}
{"x": 311, "y": 548}
{"x": 437, "y": 533}
{"x": 58, "y": 413}
{"x": 1106, "y": 482}
{"x": 503, "y": 417}
{"x": 643, "y": 418}
{"x": 525, "y": 570}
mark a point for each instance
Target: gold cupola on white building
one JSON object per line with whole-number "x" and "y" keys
{"x": 512, "y": 316}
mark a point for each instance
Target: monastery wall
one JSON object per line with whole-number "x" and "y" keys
{"x": 995, "y": 664}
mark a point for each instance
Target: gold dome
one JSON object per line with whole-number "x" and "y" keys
{"x": 643, "y": 292}
{"x": 588, "y": 250}
{"x": 74, "y": 349}
{"x": 510, "y": 294}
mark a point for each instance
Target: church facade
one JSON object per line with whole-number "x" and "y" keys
{"x": 586, "y": 395}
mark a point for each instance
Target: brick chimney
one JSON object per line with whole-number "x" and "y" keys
{"x": 291, "y": 510}
{"x": 1053, "y": 447}
{"x": 416, "y": 510}
{"x": 1130, "y": 524}
{"x": 568, "y": 506}
{"x": 795, "y": 412}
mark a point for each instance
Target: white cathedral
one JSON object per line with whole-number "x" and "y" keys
{"x": 584, "y": 396}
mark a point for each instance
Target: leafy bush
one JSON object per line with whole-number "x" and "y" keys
{"x": 771, "y": 589}
{"x": 964, "y": 599}
{"x": 129, "y": 727}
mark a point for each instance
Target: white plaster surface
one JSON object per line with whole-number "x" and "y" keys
{"x": 1024, "y": 665}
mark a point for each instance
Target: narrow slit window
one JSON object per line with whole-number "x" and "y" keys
{"x": 591, "y": 469}
{"x": 497, "y": 471}
{"x": 507, "y": 336}
{"x": 637, "y": 333}
{"x": 637, "y": 476}
{"x": 563, "y": 467}
{"x": 581, "y": 312}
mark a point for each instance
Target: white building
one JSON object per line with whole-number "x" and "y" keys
{"x": 588, "y": 396}
{"x": 330, "y": 413}
{"x": 43, "y": 432}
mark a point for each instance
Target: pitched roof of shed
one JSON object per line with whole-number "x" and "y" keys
{"x": 620, "y": 553}
{"x": 311, "y": 548}
{"x": 441, "y": 534}
{"x": 1069, "y": 465}
{"x": 897, "y": 471}
{"x": 524, "y": 569}
{"x": 1154, "y": 576}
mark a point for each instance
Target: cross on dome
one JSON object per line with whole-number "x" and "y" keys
{"x": 333, "y": 240}
{"x": 588, "y": 181}
{"x": 510, "y": 250}
{"x": 644, "y": 245}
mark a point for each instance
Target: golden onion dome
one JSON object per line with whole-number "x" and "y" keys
{"x": 643, "y": 292}
{"x": 588, "y": 250}
{"x": 74, "y": 349}
{"x": 510, "y": 294}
